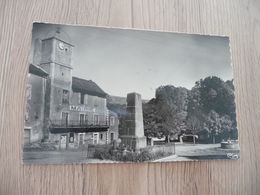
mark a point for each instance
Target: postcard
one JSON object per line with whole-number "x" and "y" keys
{"x": 111, "y": 95}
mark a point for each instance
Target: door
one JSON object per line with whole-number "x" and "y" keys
{"x": 64, "y": 118}
{"x": 95, "y": 138}
{"x": 27, "y": 135}
{"x": 71, "y": 137}
{"x": 81, "y": 139}
{"x": 63, "y": 141}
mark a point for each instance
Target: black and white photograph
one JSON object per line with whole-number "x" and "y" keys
{"x": 113, "y": 95}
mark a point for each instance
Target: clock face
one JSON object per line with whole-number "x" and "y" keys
{"x": 61, "y": 45}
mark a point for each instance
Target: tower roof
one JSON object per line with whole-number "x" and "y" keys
{"x": 60, "y": 35}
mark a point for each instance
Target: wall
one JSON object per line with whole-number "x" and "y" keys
{"x": 238, "y": 19}
{"x": 93, "y": 106}
{"x": 114, "y": 128}
{"x": 35, "y": 107}
{"x": 63, "y": 56}
{"x": 46, "y": 51}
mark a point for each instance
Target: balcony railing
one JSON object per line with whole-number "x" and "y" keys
{"x": 60, "y": 126}
{"x": 78, "y": 123}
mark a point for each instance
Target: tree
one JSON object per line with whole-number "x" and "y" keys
{"x": 172, "y": 107}
{"x": 194, "y": 124}
{"x": 152, "y": 121}
{"x": 208, "y": 95}
{"x": 218, "y": 126}
{"x": 208, "y": 109}
{"x": 195, "y": 117}
{"x": 215, "y": 94}
{"x": 166, "y": 114}
{"x": 213, "y": 125}
{"x": 226, "y": 127}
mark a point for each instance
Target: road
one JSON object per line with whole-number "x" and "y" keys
{"x": 59, "y": 157}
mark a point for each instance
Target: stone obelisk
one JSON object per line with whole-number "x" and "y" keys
{"x": 132, "y": 133}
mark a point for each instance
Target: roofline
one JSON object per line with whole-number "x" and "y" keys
{"x": 39, "y": 70}
{"x": 77, "y": 90}
{"x": 53, "y": 37}
{"x": 89, "y": 93}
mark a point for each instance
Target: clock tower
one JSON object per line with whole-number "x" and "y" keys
{"x": 56, "y": 54}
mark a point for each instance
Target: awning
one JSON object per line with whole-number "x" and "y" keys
{"x": 36, "y": 70}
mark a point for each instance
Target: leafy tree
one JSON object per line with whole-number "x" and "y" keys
{"x": 216, "y": 95}
{"x": 196, "y": 116}
{"x": 194, "y": 124}
{"x": 172, "y": 107}
{"x": 226, "y": 127}
{"x": 152, "y": 121}
{"x": 209, "y": 107}
{"x": 166, "y": 114}
{"x": 213, "y": 124}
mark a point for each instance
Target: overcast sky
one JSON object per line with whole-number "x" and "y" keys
{"x": 123, "y": 61}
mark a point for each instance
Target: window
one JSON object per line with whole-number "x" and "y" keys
{"x": 86, "y": 119}
{"x": 64, "y": 118}
{"x": 95, "y": 138}
{"x": 65, "y": 96}
{"x": 81, "y": 119}
{"x": 81, "y": 98}
{"x": 101, "y": 136}
{"x": 95, "y": 119}
{"x": 112, "y": 121}
{"x": 112, "y": 137}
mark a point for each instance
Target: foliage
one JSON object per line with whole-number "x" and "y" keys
{"x": 128, "y": 156}
{"x": 209, "y": 108}
{"x": 217, "y": 95}
{"x": 165, "y": 115}
{"x": 102, "y": 153}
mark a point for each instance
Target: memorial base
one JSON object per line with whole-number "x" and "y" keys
{"x": 135, "y": 143}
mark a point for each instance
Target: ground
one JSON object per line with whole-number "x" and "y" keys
{"x": 59, "y": 157}
{"x": 182, "y": 152}
{"x": 200, "y": 152}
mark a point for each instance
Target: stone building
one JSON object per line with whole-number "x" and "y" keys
{"x": 34, "y": 111}
{"x": 72, "y": 111}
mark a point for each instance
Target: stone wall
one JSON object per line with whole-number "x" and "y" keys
{"x": 34, "y": 114}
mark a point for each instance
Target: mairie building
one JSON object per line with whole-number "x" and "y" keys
{"x": 66, "y": 111}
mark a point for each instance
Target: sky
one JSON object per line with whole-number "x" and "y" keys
{"x": 121, "y": 61}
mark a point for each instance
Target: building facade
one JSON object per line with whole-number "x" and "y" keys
{"x": 72, "y": 111}
{"x": 34, "y": 111}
